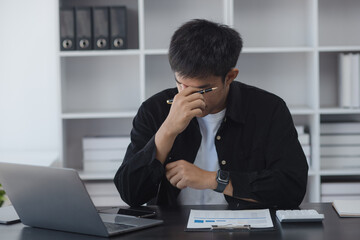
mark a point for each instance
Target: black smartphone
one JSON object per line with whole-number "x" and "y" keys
{"x": 142, "y": 213}
{"x": 137, "y": 212}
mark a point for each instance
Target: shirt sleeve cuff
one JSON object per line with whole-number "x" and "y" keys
{"x": 155, "y": 166}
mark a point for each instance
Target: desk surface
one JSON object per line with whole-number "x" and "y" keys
{"x": 175, "y": 220}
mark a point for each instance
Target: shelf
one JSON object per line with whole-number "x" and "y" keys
{"x": 93, "y": 53}
{"x": 156, "y": 51}
{"x": 277, "y": 49}
{"x": 339, "y": 111}
{"x": 339, "y": 48}
{"x": 247, "y": 50}
{"x": 342, "y": 172}
{"x": 129, "y": 114}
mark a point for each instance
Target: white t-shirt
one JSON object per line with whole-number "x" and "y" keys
{"x": 206, "y": 159}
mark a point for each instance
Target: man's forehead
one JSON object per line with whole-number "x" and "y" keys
{"x": 196, "y": 82}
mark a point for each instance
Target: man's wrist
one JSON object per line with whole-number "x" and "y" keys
{"x": 163, "y": 142}
{"x": 212, "y": 183}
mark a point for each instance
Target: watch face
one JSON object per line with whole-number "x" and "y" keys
{"x": 224, "y": 176}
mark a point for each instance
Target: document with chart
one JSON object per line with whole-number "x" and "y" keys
{"x": 229, "y": 219}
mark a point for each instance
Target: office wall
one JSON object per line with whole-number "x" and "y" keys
{"x": 28, "y": 76}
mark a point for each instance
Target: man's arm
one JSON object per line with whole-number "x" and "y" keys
{"x": 186, "y": 105}
{"x": 282, "y": 183}
{"x": 182, "y": 174}
{"x": 140, "y": 173}
{"x": 142, "y": 170}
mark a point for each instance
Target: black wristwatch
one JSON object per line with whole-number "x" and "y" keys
{"x": 222, "y": 178}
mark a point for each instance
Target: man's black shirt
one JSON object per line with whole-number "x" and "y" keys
{"x": 257, "y": 143}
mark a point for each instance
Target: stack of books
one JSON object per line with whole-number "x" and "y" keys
{"x": 104, "y": 154}
{"x": 331, "y": 191}
{"x": 340, "y": 145}
{"x": 349, "y": 80}
{"x": 304, "y": 139}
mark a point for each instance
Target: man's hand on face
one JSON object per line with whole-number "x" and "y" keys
{"x": 187, "y": 104}
{"x": 182, "y": 174}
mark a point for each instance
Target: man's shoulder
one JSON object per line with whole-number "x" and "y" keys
{"x": 252, "y": 102}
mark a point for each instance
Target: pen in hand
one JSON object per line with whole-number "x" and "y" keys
{"x": 170, "y": 101}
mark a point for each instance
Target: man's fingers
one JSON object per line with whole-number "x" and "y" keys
{"x": 175, "y": 179}
{"x": 172, "y": 169}
{"x": 197, "y": 112}
{"x": 194, "y": 97}
{"x": 171, "y": 165}
{"x": 174, "y": 176}
{"x": 180, "y": 184}
{"x": 175, "y": 173}
{"x": 199, "y": 103}
{"x": 170, "y": 173}
{"x": 176, "y": 163}
{"x": 184, "y": 99}
{"x": 189, "y": 90}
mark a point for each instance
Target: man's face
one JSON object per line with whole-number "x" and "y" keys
{"x": 215, "y": 100}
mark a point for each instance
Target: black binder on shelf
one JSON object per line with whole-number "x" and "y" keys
{"x": 118, "y": 27}
{"x": 67, "y": 29}
{"x": 101, "y": 28}
{"x": 83, "y": 28}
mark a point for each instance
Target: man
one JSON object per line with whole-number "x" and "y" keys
{"x": 234, "y": 144}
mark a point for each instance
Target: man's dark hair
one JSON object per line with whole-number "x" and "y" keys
{"x": 201, "y": 48}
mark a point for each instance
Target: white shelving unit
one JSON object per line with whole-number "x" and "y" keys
{"x": 290, "y": 49}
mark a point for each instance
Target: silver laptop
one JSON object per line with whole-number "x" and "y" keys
{"x": 56, "y": 198}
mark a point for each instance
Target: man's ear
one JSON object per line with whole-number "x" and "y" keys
{"x": 231, "y": 75}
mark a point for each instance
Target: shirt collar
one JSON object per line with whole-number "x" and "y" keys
{"x": 236, "y": 107}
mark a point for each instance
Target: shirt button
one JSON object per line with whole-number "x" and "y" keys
{"x": 223, "y": 162}
{"x": 218, "y": 137}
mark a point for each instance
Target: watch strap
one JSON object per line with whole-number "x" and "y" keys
{"x": 221, "y": 184}
{"x": 220, "y": 187}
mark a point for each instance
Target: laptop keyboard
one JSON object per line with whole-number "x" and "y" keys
{"x": 113, "y": 227}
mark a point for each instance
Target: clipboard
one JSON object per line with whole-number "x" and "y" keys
{"x": 229, "y": 221}
{"x": 234, "y": 229}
